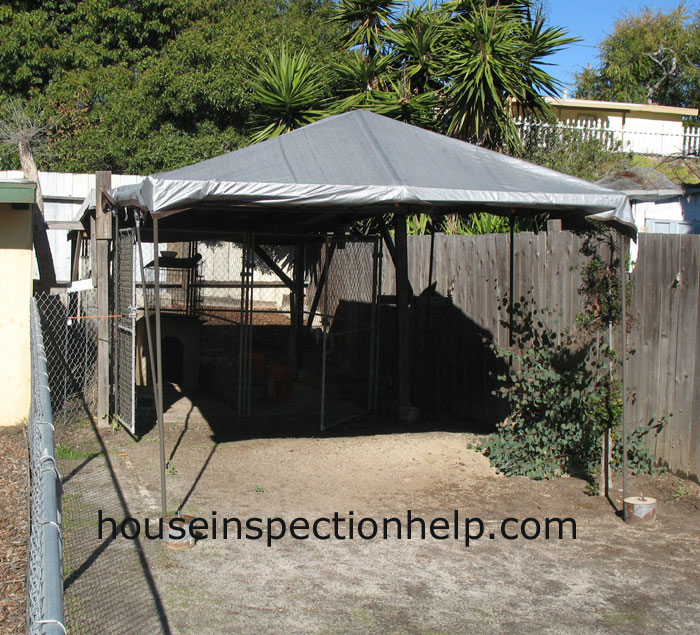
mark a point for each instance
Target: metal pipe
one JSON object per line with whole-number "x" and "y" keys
{"x": 324, "y": 324}
{"x": 426, "y": 335}
{"x": 372, "y": 328}
{"x": 147, "y": 317}
{"x": 159, "y": 369}
{"x": 51, "y": 610}
{"x": 623, "y": 279}
{"x": 377, "y": 337}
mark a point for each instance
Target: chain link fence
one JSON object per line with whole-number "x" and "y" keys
{"x": 70, "y": 336}
{"x": 227, "y": 321}
{"x": 344, "y": 346}
{"x": 45, "y": 575}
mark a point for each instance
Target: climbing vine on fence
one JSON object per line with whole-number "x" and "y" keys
{"x": 563, "y": 386}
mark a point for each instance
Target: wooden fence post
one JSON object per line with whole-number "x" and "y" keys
{"x": 103, "y": 231}
{"x": 404, "y": 359}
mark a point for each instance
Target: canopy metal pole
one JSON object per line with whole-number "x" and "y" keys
{"x": 623, "y": 281}
{"x": 435, "y": 366}
{"x": 154, "y": 371}
{"x": 159, "y": 368}
{"x": 325, "y": 325}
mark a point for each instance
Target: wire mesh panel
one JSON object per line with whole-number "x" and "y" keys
{"x": 244, "y": 315}
{"x": 125, "y": 309}
{"x": 348, "y": 322}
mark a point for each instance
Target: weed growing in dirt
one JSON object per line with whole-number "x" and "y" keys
{"x": 259, "y": 489}
{"x": 66, "y": 452}
{"x": 681, "y": 491}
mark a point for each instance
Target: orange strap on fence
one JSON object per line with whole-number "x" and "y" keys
{"x": 91, "y": 317}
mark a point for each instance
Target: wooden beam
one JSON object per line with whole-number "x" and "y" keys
{"x": 67, "y": 225}
{"x": 75, "y": 268}
{"x": 319, "y": 288}
{"x": 402, "y": 296}
{"x": 388, "y": 240}
{"x": 265, "y": 257}
{"x": 103, "y": 229}
{"x": 103, "y": 218}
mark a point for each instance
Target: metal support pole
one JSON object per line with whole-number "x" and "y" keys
{"x": 434, "y": 364}
{"x": 324, "y": 326}
{"x": 159, "y": 367}
{"x": 245, "y": 359}
{"x": 374, "y": 317}
{"x": 378, "y": 324}
{"x": 623, "y": 280}
{"x": 297, "y": 309}
{"x": 154, "y": 371}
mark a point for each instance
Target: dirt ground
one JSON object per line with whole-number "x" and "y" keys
{"x": 611, "y": 578}
{"x": 14, "y": 528}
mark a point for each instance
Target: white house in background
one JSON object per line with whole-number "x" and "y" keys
{"x": 63, "y": 195}
{"x": 659, "y": 205}
{"x": 639, "y": 128}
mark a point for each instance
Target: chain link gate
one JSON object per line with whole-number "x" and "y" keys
{"x": 125, "y": 332}
{"x": 349, "y": 320}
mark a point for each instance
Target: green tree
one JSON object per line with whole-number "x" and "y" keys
{"x": 164, "y": 84}
{"x": 367, "y": 22}
{"x": 650, "y": 57}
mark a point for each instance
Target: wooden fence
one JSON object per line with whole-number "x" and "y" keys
{"x": 664, "y": 374}
{"x": 454, "y": 368}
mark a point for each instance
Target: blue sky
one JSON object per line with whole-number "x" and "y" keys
{"x": 591, "y": 20}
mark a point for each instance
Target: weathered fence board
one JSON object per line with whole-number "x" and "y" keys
{"x": 665, "y": 369}
{"x": 471, "y": 277}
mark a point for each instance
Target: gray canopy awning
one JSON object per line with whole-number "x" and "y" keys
{"x": 355, "y": 165}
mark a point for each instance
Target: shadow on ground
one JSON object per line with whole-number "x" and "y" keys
{"x": 108, "y": 583}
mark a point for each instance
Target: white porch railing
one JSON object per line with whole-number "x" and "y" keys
{"x": 614, "y": 139}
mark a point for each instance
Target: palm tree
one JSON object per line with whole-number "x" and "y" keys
{"x": 492, "y": 62}
{"x": 416, "y": 41}
{"x": 367, "y": 22}
{"x": 287, "y": 89}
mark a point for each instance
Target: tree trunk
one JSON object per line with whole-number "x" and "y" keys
{"x": 42, "y": 248}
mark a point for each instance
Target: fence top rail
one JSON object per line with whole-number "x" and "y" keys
{"x": 45, "y": 611}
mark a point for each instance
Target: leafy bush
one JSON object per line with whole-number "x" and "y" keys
{"x": 558, "y": 394}
{"x": 563, "y": 388}
{"x": 562, "y": 398}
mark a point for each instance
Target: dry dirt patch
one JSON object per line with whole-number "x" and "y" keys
{"x": 610, "y": 579}
{"x": 14, "y": 528}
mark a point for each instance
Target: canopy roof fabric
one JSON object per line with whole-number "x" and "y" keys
{"x": 354, "y": 165}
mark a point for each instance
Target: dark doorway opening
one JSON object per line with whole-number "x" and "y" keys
{"x": 173, "y": 360}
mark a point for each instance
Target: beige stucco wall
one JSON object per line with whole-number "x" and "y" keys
{"x": 15, "y": 295}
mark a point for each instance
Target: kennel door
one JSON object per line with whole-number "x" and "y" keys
{"x": 125, "y": 348}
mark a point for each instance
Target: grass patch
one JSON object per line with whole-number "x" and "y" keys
{"x": 66, "y": 452}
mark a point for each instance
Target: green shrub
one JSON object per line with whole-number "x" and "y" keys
{"x": 563, "y": 388}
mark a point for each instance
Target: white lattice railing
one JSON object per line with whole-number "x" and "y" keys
{"x": 615, "y": 139}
